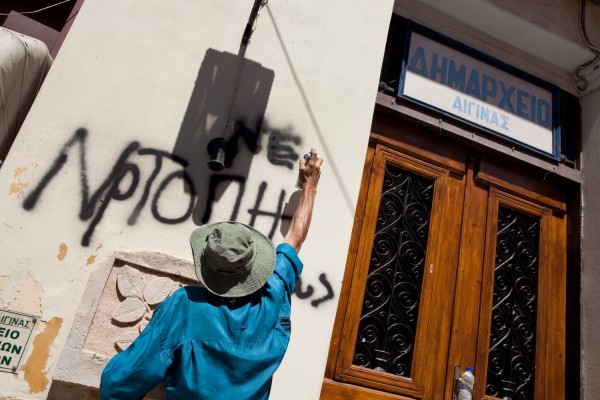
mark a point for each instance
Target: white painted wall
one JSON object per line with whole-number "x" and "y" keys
{"x": 128, "y": 73}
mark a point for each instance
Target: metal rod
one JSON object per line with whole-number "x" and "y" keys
{"x": 258, "y": 4}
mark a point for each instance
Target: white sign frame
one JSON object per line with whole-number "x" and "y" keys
{"x": 462, "y": 83}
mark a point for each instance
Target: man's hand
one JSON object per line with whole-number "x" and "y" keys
{"x": 310, "y": 171}
{"x": 309, "y": 175}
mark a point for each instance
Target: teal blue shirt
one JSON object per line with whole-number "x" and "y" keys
{"x": 202, "y": 346}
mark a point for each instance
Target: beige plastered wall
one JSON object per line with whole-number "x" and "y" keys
{"x": 156, "y": 78}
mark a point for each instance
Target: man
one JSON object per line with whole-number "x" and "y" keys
{"x": 226, "y": 339}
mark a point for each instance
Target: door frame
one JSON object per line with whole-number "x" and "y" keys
{"x": 484, "y": 177}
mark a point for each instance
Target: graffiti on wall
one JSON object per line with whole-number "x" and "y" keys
{"x": 176, "y": 186}
{"x": 308, "y": 293}
{"x": 124, "y": 180}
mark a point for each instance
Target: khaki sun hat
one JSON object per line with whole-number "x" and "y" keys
{"x": 232, "y": 259}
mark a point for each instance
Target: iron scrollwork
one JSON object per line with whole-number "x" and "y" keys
{"x": 388, "y": 322}
{"x": 511, "y": 362}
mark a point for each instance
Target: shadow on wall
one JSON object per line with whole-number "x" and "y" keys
{"x": 204, "y": 120}
{"x": 218, "y": 109}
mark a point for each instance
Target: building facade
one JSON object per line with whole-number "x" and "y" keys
{"x": 455, "y": 223}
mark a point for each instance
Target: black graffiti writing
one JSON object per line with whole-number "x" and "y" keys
{"x": 161, "y": 188}
{"x": 280, "y": 153}
{"x": 214, "y": 182}
{"x": 305, "y": 294}
{"x": 123, "y": 181}
{"x": 158, "y": 165}
{"x": 108, "y": 190}
{"x": 255, "y": 212}
{"x": 251, "y": 139}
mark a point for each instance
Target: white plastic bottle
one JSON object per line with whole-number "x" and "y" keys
{"x": 469, "y": 379}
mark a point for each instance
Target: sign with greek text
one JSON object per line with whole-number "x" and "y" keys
{"x": 465, "y": 84}
{"x": 15, "y": 332}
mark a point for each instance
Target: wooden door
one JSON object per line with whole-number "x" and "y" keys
{"x": 456, "y": 259}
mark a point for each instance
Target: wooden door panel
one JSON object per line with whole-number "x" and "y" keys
{"x": 522, "y": 184}
{"x": 356, "y": 243}
{"x": 553, "y": 366}
{"x": 437, "y": 274}
{"x": 463, "y": 344}
{"x": 456, "y": 299}
{"x": 333, "y": 390}
{"x": 515, "y": 334}
{"x": 411, "y": 141}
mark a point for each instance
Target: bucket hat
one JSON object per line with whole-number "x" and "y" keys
{"x": 232, "y": 259}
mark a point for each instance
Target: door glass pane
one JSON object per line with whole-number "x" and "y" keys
{"x": 511, "y": 363}
{"x": 388, "y": 322}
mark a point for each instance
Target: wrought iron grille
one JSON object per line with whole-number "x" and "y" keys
{"x": 388, "y": 322}
{"x": 511, "y": 362}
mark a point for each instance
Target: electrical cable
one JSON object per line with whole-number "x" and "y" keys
{"x": 41, "y": 9}
{"x": 582, "y": 31}
{"x": 579, "y": 81}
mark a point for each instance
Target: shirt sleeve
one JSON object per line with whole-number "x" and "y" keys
{"x": 137, "y": 370}
{"x": 288, "y": 266}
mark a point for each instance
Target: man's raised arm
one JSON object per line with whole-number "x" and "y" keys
{"x": 309, "y": 175}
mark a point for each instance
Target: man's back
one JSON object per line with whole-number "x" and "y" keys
{"x": 223, "y": 341}
{"x": 209, "y": 347}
